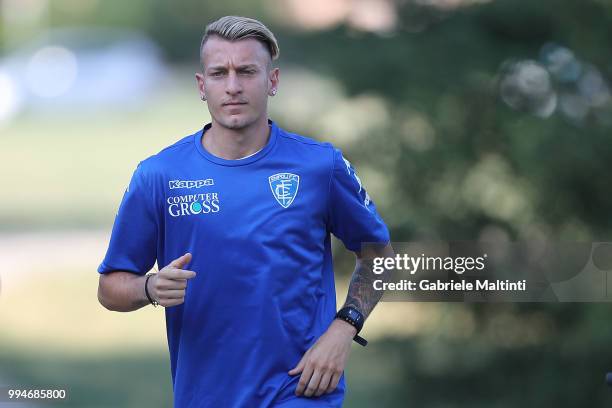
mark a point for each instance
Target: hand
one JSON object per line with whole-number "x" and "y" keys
{"x": 168, "y": 285}
{"x": 323, "y": 364}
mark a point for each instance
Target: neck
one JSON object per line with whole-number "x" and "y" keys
{"x": 233, "y": 144}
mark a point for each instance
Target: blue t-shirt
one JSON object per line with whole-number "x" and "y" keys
{"x": 259, "y": 232}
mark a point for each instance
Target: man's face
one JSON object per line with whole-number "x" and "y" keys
{"x": 236, "y": 81}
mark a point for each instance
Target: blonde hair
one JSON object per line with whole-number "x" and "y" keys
{"x": 234, "y": 28}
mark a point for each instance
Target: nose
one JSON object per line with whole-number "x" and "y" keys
{"x": 233, "y": 86}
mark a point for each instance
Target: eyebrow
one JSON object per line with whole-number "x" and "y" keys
{"x": 221, "y": 67}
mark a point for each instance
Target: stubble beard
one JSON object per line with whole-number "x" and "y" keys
{"x": 236, "y": 123}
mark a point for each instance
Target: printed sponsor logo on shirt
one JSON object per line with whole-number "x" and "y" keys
{"x": 284, "y": 187}
{"x": 193, "y": 204}
{"x": 190, "y": 183}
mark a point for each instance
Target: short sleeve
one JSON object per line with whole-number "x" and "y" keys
{"x": 352, "y": 213}
{"x": 133, "y": 242}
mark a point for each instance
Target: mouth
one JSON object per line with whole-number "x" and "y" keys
{"x": 234, "y": 103}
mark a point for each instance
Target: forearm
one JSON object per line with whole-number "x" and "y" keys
{"x": 122, "y": 291}
{"x": 361, "y": 293}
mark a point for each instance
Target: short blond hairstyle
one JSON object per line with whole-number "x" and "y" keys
{"x": 235, "y": 28}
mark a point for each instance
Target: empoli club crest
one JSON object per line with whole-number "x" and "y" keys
{"x": 284, "y": 187}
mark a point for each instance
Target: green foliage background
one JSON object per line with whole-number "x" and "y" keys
{"x": 449, "y": 160}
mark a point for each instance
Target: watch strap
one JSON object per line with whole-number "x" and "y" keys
{"x": 360, "y": 340}
{"x": 353, "y": 317}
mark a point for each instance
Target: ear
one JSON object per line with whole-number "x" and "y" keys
{"x": 273, "y": 81}
{"x": 200, "y": 84}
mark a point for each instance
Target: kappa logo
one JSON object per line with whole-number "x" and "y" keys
{"x": 348, "y": 170}
{"x": 284, "y": 187}
{"x": 190, "y": 183}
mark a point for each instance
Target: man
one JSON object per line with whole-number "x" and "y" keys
{"x": 240, "y": 215}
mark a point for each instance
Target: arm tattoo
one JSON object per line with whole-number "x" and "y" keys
{"x": 361, "y": 293}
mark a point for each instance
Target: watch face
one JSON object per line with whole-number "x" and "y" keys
{"x": 351, "y": 315}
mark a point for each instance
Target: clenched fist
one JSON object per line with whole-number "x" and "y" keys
{"x": 168, "y": 285}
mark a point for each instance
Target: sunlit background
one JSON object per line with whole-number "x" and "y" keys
{"x": 466, "y": 120}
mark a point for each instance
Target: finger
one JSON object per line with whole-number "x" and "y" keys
{"x": 324, "y": 384}
{"x": 300, "y": 366}
{"x": 333, "y": 383}
{"x": 313, "y": 384}
{"x": 171, "y": 302}
{"x": 171, "y": 294}
{"x": 181, "y": 261}
{"x": 169, "y": 273}
{"x": 304, "y": 380}
{"x": 170, "y": 284}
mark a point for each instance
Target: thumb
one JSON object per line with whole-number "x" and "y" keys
{"x": 181, "y": 261}
{"x": 297, "y": 369}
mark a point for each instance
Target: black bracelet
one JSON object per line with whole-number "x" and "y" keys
{"x": 153, "y": 302}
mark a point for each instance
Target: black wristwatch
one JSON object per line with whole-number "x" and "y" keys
{"x": 353, "y": 317}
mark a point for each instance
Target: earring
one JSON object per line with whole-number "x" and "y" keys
{"x": 203, "y": 97}
{"x": 273, "y": 92}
